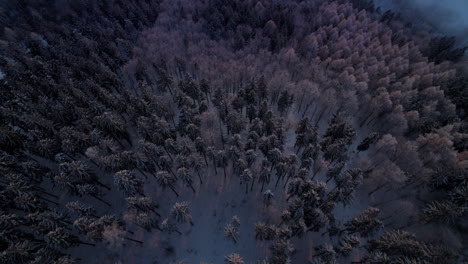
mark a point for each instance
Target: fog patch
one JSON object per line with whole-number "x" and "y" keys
{"x": 440, "y": 17}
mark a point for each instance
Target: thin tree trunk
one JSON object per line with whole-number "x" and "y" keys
{"x": 391, "y": 200}
{"x": 365, "y": 119}
{"x": 144, "y": 174}
{"x": 305, "y": 110}
{"x": 282, "y": 221}
{"x": 315, "y": 171}
{"x": 90, "y": 160}
{"x": 99, "y": 199}
{"x": 47, "y": 200}
{"x": 385, "y": 218}
{"x": 134, "y": 240}
{"x": 155, "y": 162}
{"x": 170, "y": 170}
{"x": 169, "y": 154}
{"x": 154, "y": 211}
{"x": 298, "y": 149}
{"x": 68, "y": 155}
{"x": 199, "y": 177}
{"x": 214, "y": 166}
{"x": 320, "y": 116}
{"x": 85, "y": 243}
{"x": 221, "y": 132}
{"x": 277, "y": 181}
{"x": 44, "y": 192}
{"x": 286, "y": 182}
{"x": 300, "y": 103}
{"x": 172, "y": 188}
{"x": 204, "y": 157}
{"x": 313, "y": 113}
{"x": 376, "y": 189}
{"x": 101, "y": 184}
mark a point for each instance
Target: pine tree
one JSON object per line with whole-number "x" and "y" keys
{"x": 445, "y": 211}
{"x": 165, "y": 179}
{"x": 80, "y": 208}
{"x": 367, "y": 141}
{"x": 186, "y": 177}
{"x": 233, "y": 259}
{"x": 128, "y": 183}
{"x": 180, "y": 212}
{"x": 267, "y": 197}
{"x": 366, "y": 223}
{"x": 144, "y": 204}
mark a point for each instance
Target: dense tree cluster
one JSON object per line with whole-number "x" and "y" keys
{"x": 307, "y": 105}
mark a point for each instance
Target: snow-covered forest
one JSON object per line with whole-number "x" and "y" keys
{"x": 237, "y": 132}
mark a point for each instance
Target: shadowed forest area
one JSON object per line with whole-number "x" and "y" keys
{"x": 243, "y": 131}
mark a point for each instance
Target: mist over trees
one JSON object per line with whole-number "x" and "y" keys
{"x": 229, "y": 131}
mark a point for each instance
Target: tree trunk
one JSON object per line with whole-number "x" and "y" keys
{"x": 286, "y": 182}
{"x": 376, "y": 189}
{"x": 365, "y": 119}
{"x": 305, "y": 110}
{"x": 173, "y": 121}
{"x": 172, "y": 188}
{"x": 298, "y": 149}
{"x": 282, "y": 221}
{"x": 277, "y": 181}
{"x": 99, "y": 199}
{"x": 101, "y": 184}
{"x": 391, "y": 200}
{"x": 169, "y": 154}
{"x": 118, "y": 141}
{"x": 154, "y": 211}
{"x": 134, "y": 240}
{"x": 315, "y": 171}
{"x": 388, "y": 217}
{"x": 214, "y": 166}
{"x": 320, "y": 116}
{"x": 90, "y": 160}
{"x": 85, "y": 243}
{"x": 300, "y": 103}
{"x": 170, "y": 90}
{"x": 170, "y": 170}
{"x": 199, "y": 177}
{"x": 44, "y": 192}
{"x": 155, "y": 162}
{"x": 47, "y": 200}
{"x": 221, "y": 132}
{"x": 144, "y": 174}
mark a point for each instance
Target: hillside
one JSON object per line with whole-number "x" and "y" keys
{"x": 301, "y": 131}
